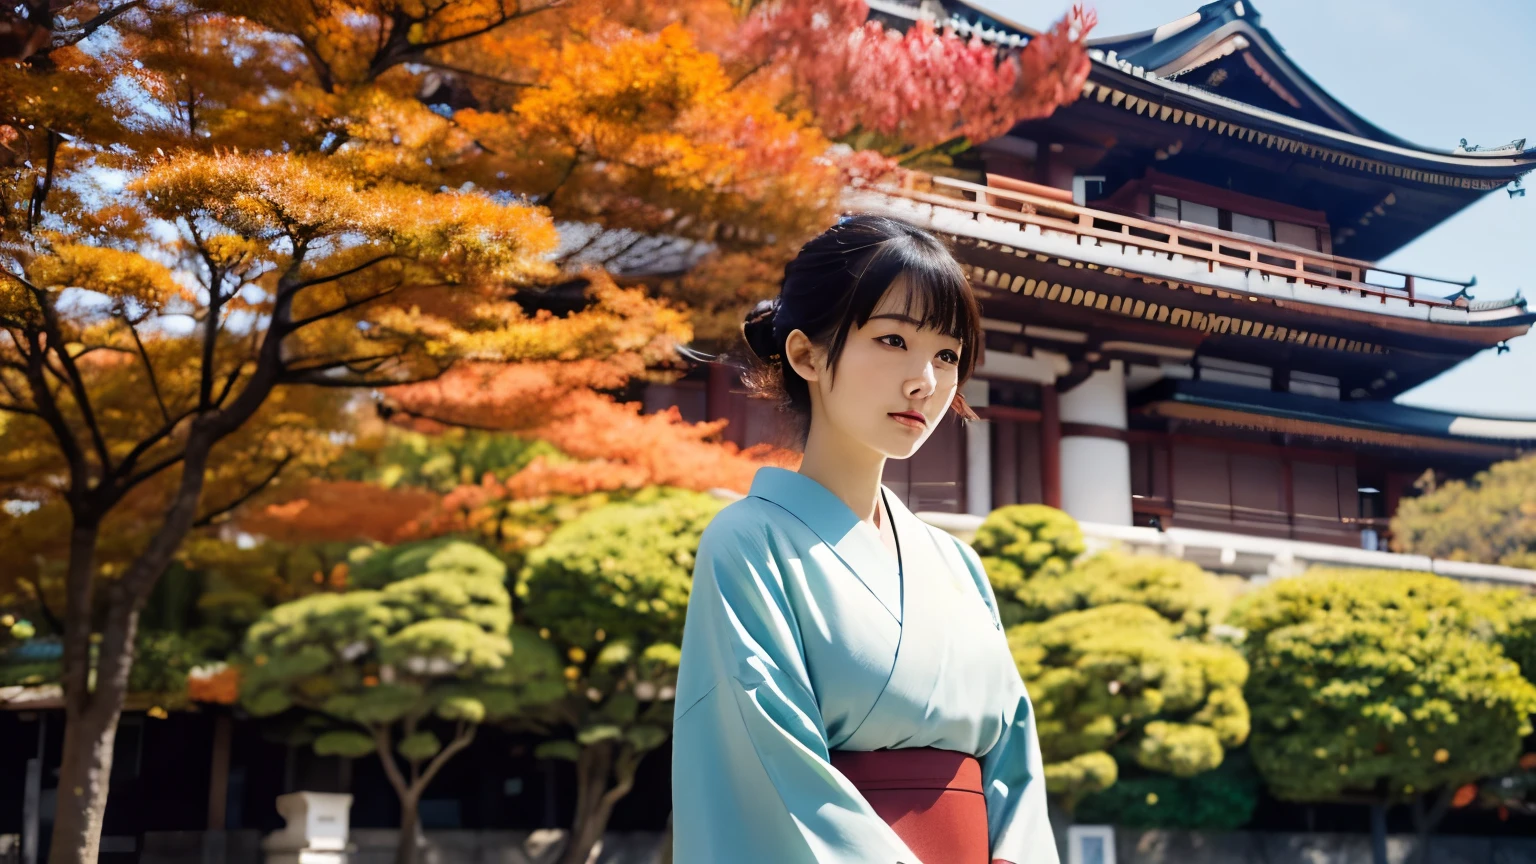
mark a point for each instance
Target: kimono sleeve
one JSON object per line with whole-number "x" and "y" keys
{"x": 751, "y": 780}
{"x": 1013, "y": 772}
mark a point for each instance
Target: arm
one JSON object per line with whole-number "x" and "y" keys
{"x": 751, "y": 776}
{"x": 1013, "y": 772}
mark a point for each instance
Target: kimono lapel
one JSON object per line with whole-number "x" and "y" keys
{"x": 855, "y": 543}
{"x": 927, "y": 598}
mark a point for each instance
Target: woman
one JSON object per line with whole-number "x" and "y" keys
{"x": 846, "y": 692}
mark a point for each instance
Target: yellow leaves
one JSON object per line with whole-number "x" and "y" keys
{"x": 304, "y": 199}
{"x": 16, "y": 302}
{"x": 662, "y": 117}
{"x": 620, "y": 78}
{"x": 617, "y": 321}
{"x": 231, "y": 251}
{"x": 115, "y": 273}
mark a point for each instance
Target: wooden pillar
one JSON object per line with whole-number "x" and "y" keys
{"x": 718, "y": 401}
{"x": 218, "y": 772}
{"x": 32, "y": 796}
{"x": 1288, "y": 491}
{"x": 1050, "y": 446}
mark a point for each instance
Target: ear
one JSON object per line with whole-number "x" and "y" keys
{"x": 803, "y": 355}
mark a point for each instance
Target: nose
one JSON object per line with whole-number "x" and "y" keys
{"x": 922, "y": 386}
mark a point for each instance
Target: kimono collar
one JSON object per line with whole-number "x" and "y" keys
{"x": 854, "y": 541}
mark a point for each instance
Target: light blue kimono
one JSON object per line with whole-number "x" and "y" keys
{"x": 805, "y": 635}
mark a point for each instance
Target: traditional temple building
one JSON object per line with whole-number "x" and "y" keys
{"x": 1186, "y": 326}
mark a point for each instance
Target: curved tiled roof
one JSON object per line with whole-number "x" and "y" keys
{"x": 1118, "y": 60}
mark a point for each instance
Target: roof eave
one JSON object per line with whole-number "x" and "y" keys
{"x": 1482, "y": 165}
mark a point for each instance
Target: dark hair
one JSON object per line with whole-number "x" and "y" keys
{"x": 834, "y": 285}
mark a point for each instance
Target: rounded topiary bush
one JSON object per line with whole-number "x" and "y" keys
{"x": 1187, "y": 596}
{"x": 1371, "y": 681}
{"x": 619, "y": 573}
{"x": 1023, "y": 542}
{"x": 1118, "y": 683}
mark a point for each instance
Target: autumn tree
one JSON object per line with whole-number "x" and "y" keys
{"x": 1490, "y": 518}
{"x": 215, "y": 215}
{"x": 423, "y": 645}
{"x": 255, "y": 249}
{"x": 608, "y": 590}
{"x": 1381, "y": 687}
{"x": 909, "y": 92}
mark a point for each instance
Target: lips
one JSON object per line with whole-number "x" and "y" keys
{"x": 910, "y": 417}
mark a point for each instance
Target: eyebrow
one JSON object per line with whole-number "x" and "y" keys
{"x": 905, "y": 319}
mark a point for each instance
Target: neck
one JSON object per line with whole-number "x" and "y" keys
{"x": 849, "y": 470}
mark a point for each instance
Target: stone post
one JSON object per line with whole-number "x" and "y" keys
{"x": 316, "y": 832}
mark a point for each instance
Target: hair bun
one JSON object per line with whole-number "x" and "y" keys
{"x": 757, "y": 329}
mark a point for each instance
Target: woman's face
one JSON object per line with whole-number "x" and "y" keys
{"x": 894, "y": 381}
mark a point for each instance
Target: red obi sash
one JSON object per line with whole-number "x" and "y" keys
{"x": 931, "y": 798}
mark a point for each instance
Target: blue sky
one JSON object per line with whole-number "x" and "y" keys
{"x": 1431, "y": 71}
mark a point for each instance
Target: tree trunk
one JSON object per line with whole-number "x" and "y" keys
{"x": 90, "y": 730}
{"x": 91, "y": 712}
{"x": 82, "y": 793}
{"x": 90, "y": 719}
{"x": 1379, "y": 833}
{"x": 406, "y": 851}
{"x": 1425, "y": 821}
{"x": 592, "y": 769}
{"x": 599, "y": 765}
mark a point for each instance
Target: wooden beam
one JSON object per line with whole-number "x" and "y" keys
{"x": 1050, "y": 446}
{"x": 218, "y": 772}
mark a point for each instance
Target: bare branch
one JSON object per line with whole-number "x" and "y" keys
{"x": 144, "y": 445}
{"x": 17, "y": 409}
{"x": 320, "y": 280}
{"x": 461, "y": 739}
{"x": 74, "y": 454}
{"x": 145, "y": 474}
{"x": 149, "y": 369}
{"x": 445, "y": 67}
{"x": 345, "y": 307}
{"x": 504, "y": 20}
{"x": 422, "y": 415}
{"x": 387, "y": 757}
{"x": 213, "y": 515}
{"x": 102, "y": 19}
{"x": 373, "y": 361}
{"x": 75, "y": 381}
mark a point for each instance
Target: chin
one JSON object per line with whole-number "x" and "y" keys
{"x": 902, "y": 449}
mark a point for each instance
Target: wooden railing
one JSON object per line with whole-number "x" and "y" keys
{"x": 1213, "y": 247}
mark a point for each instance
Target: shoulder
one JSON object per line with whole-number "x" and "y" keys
{"x": 743, "y": 554}
{"x": 744, "y": 520}
{"x": 751, "y": 530}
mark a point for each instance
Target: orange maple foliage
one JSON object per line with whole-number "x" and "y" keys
{"x": 655, "y": 449}
{"x": 218, "y": 686}
{"x": 610, "y": 445}
{"x": 319, "y": 511}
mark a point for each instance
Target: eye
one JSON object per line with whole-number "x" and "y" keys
{"x": 949, "y": 356}
{"x": 898, "y": 343}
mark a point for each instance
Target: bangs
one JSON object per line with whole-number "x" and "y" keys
{"x": 935, "y": 290}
